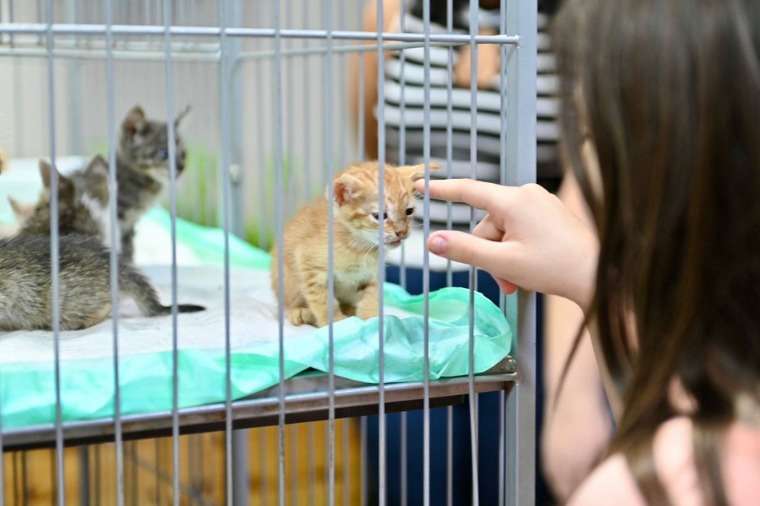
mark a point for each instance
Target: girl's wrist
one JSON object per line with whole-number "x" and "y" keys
{"x": 582, "y": 288}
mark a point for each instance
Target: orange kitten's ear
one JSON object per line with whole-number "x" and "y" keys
{"x": 415, "y": 172}
{"x": 346, "y": 188}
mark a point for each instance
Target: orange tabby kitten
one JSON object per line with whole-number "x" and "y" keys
{"x": 356, "y": 224}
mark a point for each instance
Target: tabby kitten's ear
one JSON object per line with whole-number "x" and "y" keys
{"x": 21, "y": 211}
{"x": 415, "y": 172}
{"x": 98, "y": 167}
{"x": 96, "y": 175}
{"x": 346, "y": 188}
{"x": 134, "y": 122}
{"x": 65, "y": 185}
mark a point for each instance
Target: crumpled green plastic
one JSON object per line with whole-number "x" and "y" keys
{"x": 27, "y": 391}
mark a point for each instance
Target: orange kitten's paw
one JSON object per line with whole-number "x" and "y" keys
{"x": 300, "y": 316}
{"x": 367, "y": 311}
{"x": 337, "y": 316}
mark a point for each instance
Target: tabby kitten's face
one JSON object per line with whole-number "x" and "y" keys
{"x": 356, "y": 198}
{"x": 143, "y": 142}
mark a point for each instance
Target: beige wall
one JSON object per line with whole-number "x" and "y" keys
{"x": 80, "y": 98}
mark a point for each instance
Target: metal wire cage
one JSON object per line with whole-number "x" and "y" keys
{"x": 268, "y": 80}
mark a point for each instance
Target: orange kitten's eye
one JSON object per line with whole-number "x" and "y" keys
{"x": 377, "y": 216}
{"x": 409, "y": 211}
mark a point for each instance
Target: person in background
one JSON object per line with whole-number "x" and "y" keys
{"x": 659, "y": 126}
{"x": 566, "y": 423}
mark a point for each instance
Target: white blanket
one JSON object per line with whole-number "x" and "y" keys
{"x": 253, "y": 320}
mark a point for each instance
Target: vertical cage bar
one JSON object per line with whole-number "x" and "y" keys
{"x": 502, "y": 445}
{"x": 237, "y": 220}
{"x": 11, "y": 19}
{"x": 404, "y": 485}
{"x": 346, "y": 456}
{"x": 328, "y": 154}
{"x": 361, "y": 135}
{"x": 381, "y": 422}
{"x": 135, "y": 472}
{"x": 259, "y": 151}
{"x": 2, "y": 459}
{"x": 473, "y": 22}
{"x": 54, "y": 261}
{"x": 306, "y": 108}
{"x": 287, "y": 103}
{"x": 449, "y": 126}
{"x": 279, "y": 220}
{"x": 426, "y": 260}
{"x": 84, "y": 470}
{"x": 2, "y": 466}
{"x": 521, "y": 141}
{"x": 225, "y": 106}
{"x": 402, "y": 161}
{"x": 115, "y": 247}
{"x": 293, "y": 434}
{"x": 449, "y": 456}
{"x": 24, "y": 480}
{"x": 449, "y": 225}
{"x": 74, "y": 84}
{"x": 403, "y": 469}
{"x": 263, "y": 489}
{"x": 16, "y": 472}
{"x": 342, "y": 89}
{"x": 311, "y": 498}
{"x": 156, "y": 473}
{"x": 363, "y": 491}
{"x": 240, "y": 484}
{"x": 171, "y": 148}
{"x": 503, "y": 179}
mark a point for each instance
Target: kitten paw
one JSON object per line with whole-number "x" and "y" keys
{"x": 337, "y": 316}
{"x": 365, "y": 312}
{"x": 300, "y": 316}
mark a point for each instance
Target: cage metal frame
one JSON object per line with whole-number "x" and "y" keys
{"x": 518, "y": 44}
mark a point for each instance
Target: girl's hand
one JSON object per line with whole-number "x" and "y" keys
{"x": 528, "y": 239}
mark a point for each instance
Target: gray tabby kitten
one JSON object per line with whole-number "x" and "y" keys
{"x": 142, "y": 163}
{"x": 85, "y": 288}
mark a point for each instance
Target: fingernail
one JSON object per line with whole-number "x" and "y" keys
{"x": 438, "y": 244}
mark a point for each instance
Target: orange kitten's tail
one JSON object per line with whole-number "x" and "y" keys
{"x": 3, "y": 161}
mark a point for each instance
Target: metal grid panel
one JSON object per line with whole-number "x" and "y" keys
{"x": 75, "y": 31}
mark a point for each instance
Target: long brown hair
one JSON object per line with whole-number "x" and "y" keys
{"x": 668, "y": 94}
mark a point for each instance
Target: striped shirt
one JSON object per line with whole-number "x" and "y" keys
{"x": 451, "y": 105}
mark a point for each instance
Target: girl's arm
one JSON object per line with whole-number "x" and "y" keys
{"x": 581, "y": 412}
